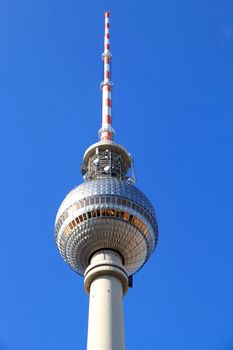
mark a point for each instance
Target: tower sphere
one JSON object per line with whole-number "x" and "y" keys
{"x": 107, "y": 211}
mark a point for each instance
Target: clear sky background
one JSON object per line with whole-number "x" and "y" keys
{"x": 172, "y": 70}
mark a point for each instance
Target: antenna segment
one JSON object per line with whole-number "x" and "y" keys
{"x": 106, "y": 132}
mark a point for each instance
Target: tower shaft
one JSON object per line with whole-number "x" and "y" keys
{"x": 106, "y": 282}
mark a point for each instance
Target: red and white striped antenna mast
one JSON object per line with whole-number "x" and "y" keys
{"x": 106, "y": 132}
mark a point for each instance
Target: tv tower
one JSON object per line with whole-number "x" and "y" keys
{"x": 106, "y": 228}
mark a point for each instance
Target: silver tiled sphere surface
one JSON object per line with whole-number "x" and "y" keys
{"x": 106, "y": 213}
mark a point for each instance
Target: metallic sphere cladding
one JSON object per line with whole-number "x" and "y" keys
{"x": 106, "y": 213}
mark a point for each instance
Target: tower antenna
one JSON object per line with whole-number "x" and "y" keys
{"x": 106, "y": 132}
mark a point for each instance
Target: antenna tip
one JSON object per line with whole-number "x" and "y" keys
{"x": 107, "y": 14}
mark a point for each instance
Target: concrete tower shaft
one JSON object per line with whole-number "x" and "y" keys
{"x": 106, "y": 281}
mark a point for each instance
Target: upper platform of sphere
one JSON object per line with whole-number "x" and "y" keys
{"x": 103, "y": 145}
{"x": 106, "y": 159}
{"x": 106, "y": 213}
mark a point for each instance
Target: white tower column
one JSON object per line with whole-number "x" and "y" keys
{"x": 106, "y": 282}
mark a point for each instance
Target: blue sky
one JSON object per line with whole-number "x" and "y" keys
{"x": 172, "y": 70}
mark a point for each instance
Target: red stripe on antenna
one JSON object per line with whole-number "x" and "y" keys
{"x": 109, "y": 119}
{"x": 108, "y": 102}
